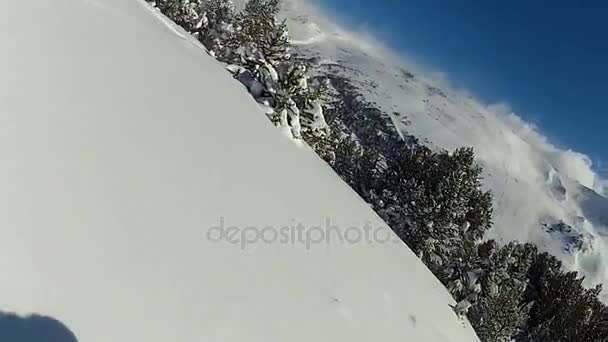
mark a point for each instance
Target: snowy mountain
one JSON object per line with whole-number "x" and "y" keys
{"x": 543, "y": 194}
{"x": 126, "y": 150}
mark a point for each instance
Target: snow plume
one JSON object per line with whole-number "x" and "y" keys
{"x": 575, "y": 165}
{"x": 602, "y": 185}
{"x": 325, "y": 32}
{"x": 333, "y": 30}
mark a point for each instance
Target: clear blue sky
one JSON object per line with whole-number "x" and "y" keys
{"x": 547, "y": 59}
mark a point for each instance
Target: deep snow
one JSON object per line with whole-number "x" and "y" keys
{"x": 535, "y": 183}
{"x": 122, "y": 143}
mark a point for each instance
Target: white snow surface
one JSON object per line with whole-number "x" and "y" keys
{"x": 534, "y": 182}
{"x": 122, "y": 143}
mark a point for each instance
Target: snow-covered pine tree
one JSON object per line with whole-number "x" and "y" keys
{"x": 326, "y": 146}
{"x": 439, "y": 197}
{"x": 258, "y": 46}
{"x": 356, "y": 165}
{"x": 216, "y": 26}
{"x": 308, "y": 97}
{"x": 259, "y": 43}
{"x": 313, "y": 118}
{"x": 288, "y": 115}
{"x": 562, "y": 309}
{"x": 499, "y": 311}
{"x": 185, "y": 13}
{"x": 291, "y": 88}
{"x": 497, "y": 316}
{"x": 258, "y": 33}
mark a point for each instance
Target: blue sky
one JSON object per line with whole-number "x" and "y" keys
{"x": 547, "y": 59}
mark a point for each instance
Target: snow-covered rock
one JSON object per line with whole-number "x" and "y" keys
{"x": 125, "y": 148}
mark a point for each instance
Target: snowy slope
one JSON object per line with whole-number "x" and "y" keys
{"x": 122, "y": 143}
{"x": 543, "y": 194}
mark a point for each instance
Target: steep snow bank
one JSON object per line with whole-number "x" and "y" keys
{"x": 122, "y": 145}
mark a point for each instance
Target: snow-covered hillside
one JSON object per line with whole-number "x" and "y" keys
{"x": 543, "y": 194}
{"x": 123, "y": 144}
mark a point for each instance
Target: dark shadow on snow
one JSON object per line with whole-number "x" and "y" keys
{"x": 33, "y": 328}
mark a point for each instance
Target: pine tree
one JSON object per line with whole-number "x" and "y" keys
{"x": 256, "y": 41}
{"x": 292, "y": 83}
{"x": 185, "y": 13}
{"x": 437, "y": 202}
{"x": 216, "y": 26}
{"x": 562, "y": 309}
{"x": 258, "y": 35}
{"x": 499, "y": 311}
{"x": 497, "y": 316}
{"x": 313, "y": 118}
